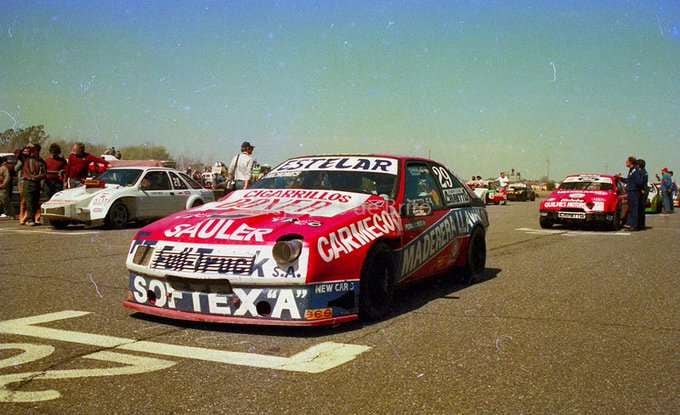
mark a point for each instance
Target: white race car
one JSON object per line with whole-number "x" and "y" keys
{"x": 124, "y": 194}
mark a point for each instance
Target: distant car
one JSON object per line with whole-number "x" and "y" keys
{"x": 124, "y": 194}
{"x": 586, "y": 198}
{"x": 654, "y": 203}
{"x": 320, "y": 240}
{"x": 480, "y": 189}
{"x": 521, "y": 192}
{"x": 496, "y": 194}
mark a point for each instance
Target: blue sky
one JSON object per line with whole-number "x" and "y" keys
{"x": 480, "y": 85}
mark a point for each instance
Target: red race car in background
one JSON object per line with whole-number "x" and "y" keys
{"x": 319, "y": 240}
{"x": 586, "y": 199}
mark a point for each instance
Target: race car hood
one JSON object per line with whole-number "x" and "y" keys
{"x": 247, "y": 224}
{"x": 80, "y": 195}
{"x": 248, "y": 217}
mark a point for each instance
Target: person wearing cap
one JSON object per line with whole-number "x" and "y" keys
{"x": 241, "y": 166}
{"x": 667, "y": 190}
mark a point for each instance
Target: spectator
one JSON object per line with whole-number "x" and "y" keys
{"x": 634, "y": 190}
{"x": 22, "y": 155}
{"x": 6, "y": 190}
{"x": 241, "y": 167}
{"x": 667, "y": 190}
{"x": 503, "y": 181}
{"x": 56, "y": 165}
{"x": 674, "y": 191}
{"x": 33, "y": 173}
{"x": 644, "y": 193}
{"x": 78, "y": 162}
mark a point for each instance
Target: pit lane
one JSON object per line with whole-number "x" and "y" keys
{"x": 564, "y": 321}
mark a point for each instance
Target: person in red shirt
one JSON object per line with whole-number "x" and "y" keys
{"x": 78, "y": 162}
{"x": 56, "y": 165}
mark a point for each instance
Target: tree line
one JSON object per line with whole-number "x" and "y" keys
{"x": 12, "y": 139}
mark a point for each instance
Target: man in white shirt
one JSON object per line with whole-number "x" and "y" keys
{"x": 503, "y": 181}
{"x": 241, "y": 166}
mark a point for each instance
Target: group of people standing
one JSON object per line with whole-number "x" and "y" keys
{"x": 637, "y": 188}
{"x": 33, "y": 174}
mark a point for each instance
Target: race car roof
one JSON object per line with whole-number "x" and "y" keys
{"x": 598, "y": 178}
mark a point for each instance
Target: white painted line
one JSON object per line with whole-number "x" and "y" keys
{"x": 315, "y": 359}
{"x": 48, "y": 232}
{"x": 570, "y": 232}
{"x": 133, "y": 365}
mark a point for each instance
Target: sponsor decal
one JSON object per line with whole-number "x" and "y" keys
{"x": 334, "y": 287}
{"x": 356, "y": 235}
{"x": 319, "y": 314}
{"x": 366, "y": 164}
{"x": 436, "y": 238}
{"x": 291, "y": 201}
{"x": 456, "y": 196}
{"x": 416, "y": 224}
{"x": 241, "y": 302}
{"x": 213, "y": 262}
{"x": 219, "y": 297}
{"x": 218, "y": 228}
{"x": 587, "y": 178}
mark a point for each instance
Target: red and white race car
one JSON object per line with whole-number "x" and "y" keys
{"x": 320, "y": 240}
{"x": 586, "y": 198}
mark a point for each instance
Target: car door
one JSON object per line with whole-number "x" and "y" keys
{"x": 622, "y": 197}
{"x": 181, "y": 191}
{"x": 157, "y": 195}
{"x": 422, "y": 214}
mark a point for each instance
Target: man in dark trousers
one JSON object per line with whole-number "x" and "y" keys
{"x": 33, "y": 173}
{"x": 633, "y": 189}
{"x": 644, "y": 194}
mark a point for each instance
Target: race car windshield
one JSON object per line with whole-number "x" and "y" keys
{"x": 586, "y": 186}
{"x": 122, "y": 177}
{"x": 357, "y": 182}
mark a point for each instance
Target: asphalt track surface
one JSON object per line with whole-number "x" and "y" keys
{"x": 563, "y": 322}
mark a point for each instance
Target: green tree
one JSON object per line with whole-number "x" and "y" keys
{"x": 11, "y": 139}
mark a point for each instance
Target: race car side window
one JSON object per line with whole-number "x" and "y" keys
{"x": 422, "y": 186}
{"x": 156, "y": 180}
{"x": 620, "y": 188}
{"x": 177, "y": 183}
{"x": 453, "y": 190}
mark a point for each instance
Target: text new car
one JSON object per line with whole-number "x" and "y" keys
{"x": 320, "y": 240}
{"x": 125, "y": 194}
{"x": 586, "y": 198}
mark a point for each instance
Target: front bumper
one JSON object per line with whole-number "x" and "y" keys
{"x": 589, "y": 217}
{"x": 217, "y": 301}
{"x": 68, "y": 213}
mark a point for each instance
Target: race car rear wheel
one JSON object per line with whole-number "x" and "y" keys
{"x": 117, "y": 217}
{"x": 617, "y": 222}
{"x": 377, "y": 283}
{"x": 476, "y": 257}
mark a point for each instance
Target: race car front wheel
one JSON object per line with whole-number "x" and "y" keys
{"x": 58, "y": 224}
{"x": 545, "y": 223}
{"x": 117, "y": 217}
{"x": 476, "y": 256}
{"x": 377, "y": 283}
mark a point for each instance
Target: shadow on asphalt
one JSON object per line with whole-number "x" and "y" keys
{"x": 407, "y": 299}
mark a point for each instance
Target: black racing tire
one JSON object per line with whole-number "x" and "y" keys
{"x": 545, "y": 223}
{"x": 617, "y": 222}
{"x": 376, "y": 289}
{"x": 59, "y": 224}
{"x": 117, "y": 216}
{"x": 196, "y": 203}
{"x": 475, "y": 263}
{"x": 533, "y": 197}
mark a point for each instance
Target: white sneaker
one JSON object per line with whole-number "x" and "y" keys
{"x": 3, "y": 216}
